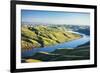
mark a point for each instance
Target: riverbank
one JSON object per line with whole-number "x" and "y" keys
{"x": 42, "y": 36}
{"x": 79, "y": 53}
{"x": 67, "y": 45}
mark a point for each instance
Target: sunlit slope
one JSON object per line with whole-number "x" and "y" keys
{"x": 41, "y": 36}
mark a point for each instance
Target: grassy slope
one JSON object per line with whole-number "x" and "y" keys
{"x": 79, "y": 53}
{"x": 40, "y": 36}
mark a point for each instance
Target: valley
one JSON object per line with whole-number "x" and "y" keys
{"x": 44, "y": 43}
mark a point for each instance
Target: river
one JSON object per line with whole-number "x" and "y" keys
{"x": 66, "y": 45}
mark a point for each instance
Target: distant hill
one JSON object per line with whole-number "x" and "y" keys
{"x": 81, "y": 29}
{"x": 42, "y": 35}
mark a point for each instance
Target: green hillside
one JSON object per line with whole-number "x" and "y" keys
{"x": 79, "y": 53}
{"x": 41, "y": 36}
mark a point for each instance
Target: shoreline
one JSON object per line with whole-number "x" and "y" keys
{"x": 53, "y": 47}
{"x": 81, "y": 36}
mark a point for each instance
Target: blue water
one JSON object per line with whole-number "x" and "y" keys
{"x": 66, "y": 45}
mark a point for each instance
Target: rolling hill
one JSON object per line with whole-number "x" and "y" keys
{"x": 79, "y": 53}
{"x": 42, "y": 35}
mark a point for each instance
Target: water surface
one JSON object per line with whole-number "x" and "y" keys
{"x": 66, "y": 45}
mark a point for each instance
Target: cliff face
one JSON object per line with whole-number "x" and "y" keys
{"x": 42, "y": 35}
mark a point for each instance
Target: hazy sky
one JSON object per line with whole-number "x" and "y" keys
{"x": 54, "y": 17}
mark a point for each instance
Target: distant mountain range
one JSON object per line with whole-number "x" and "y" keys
{"x": 39, "y": 23}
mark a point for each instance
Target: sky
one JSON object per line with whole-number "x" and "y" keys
{"x": 55, "y": 17}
